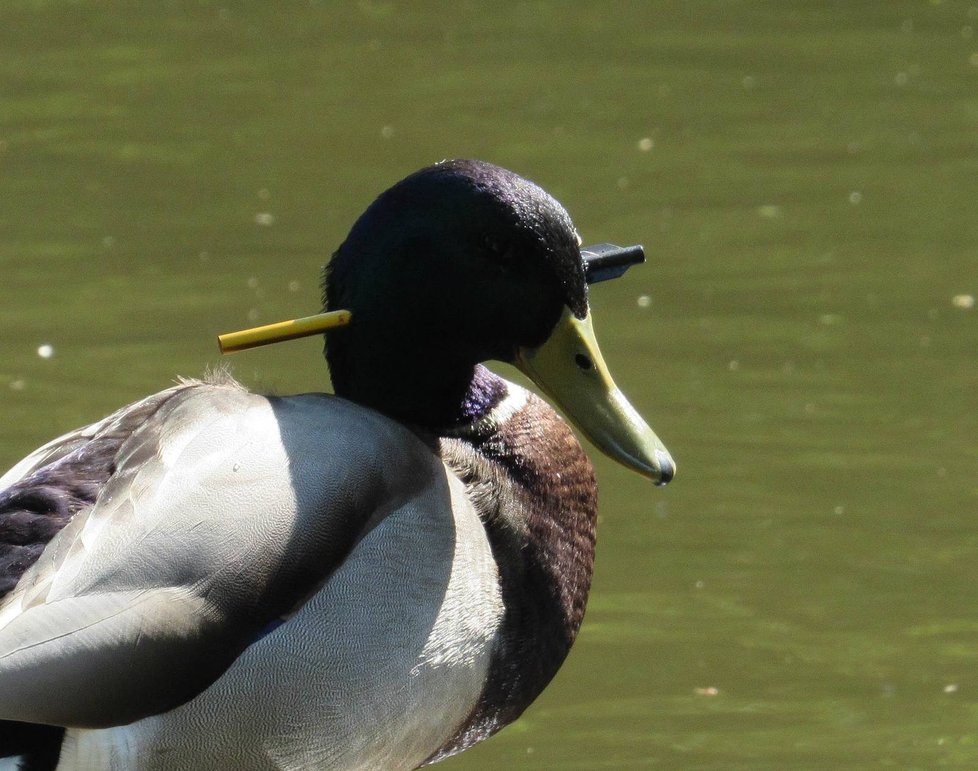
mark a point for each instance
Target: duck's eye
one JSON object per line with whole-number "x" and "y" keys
{"x": 583, "y": 361}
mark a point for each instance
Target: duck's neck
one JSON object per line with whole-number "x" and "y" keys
{"x": 424, "y": 386}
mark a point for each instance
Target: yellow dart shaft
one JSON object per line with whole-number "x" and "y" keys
{"x": 282, "y": 330}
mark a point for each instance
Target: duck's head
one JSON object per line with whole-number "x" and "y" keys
{"x": 460, "y": 263}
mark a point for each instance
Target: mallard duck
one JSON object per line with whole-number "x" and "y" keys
{"x": 211, "y": 578}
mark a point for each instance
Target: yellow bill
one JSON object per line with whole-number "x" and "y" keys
{"x": 569, "y": 367}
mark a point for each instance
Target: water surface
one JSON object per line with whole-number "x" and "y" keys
{"x": 804, "y": 178}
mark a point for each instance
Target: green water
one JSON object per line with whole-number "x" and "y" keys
{"x": 805, "y": 179}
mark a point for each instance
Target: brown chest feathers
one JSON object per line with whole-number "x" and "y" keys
{"x": 535, "y": 490}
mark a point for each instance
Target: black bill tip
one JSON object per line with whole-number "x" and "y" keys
{"x": 667, "y": 468}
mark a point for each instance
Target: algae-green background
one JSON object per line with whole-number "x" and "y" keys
{"x": 804, "y": 176}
